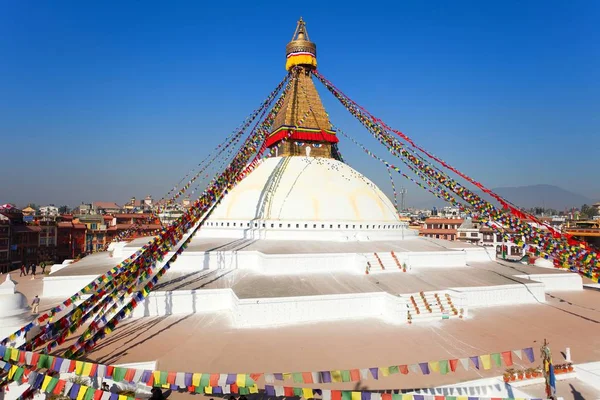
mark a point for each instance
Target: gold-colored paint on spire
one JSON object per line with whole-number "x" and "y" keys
{"x": 302, "y": 109}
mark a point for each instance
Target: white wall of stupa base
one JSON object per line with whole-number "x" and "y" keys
{"x": 342, "y": 231}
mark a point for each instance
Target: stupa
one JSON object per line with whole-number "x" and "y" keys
{"x": 305, "y": 265}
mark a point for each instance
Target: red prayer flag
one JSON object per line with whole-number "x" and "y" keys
{"x": 453, "y": 364}
{"x": 307, "y": 377}
{"x": 403, "y": 369}
{"x": 507, "y": 356}
{"x": 59, "y": 387}
{"x": 35, "y": 358}
{"x": 171, "y": 377}
{"x": 288, "y": 391}
{"x": 255, "y": 376}
{"x": 234, "y": 388}
{"x": 22, "y": 357}
{"x": 72, "y": 366}
{"x": 213, "y": 381}
{"x": 98, "y": 394}
{"x": 150, "y": 381}
{"x": 440, "y": 397}
{"x": 109, "y": 372}
{"x": 386, "y": 396}
{"x": 337, "y": 395}
{"x": 129, "y": 374}
{"x": 354, "y": 375}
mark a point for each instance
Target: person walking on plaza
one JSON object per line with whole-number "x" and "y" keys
{"x": 35, "y": 305}
{"x": 43, "y": 265}
{"x": 33, "y": 268}
{"x": 27, "y": 269}
{"x": 23, "y": 270}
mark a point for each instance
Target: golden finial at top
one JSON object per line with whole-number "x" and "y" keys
{"x": 300, "y": 50}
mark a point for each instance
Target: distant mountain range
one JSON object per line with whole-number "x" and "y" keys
{"x": 547, "y": 196}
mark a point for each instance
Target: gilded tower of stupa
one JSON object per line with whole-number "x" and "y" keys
{"x": 302, "y": 127}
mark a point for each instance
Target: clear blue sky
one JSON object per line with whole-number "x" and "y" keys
{"x": 108, "y": 100}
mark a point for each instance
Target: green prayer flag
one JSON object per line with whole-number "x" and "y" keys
{"x": 394, "y": 369}
{"x": 49, "y": 362}
{"x": 450, "y": 397}
{"x": 199, "y": 389}
{"x": 244, "y": 390}
{"x": 443, "y": 367}
{"x": 346, "y": 395}
{"x": 497, "y": 359}
{"x": 204, "y": 380}
{"x": 297, "y": 376}
{"x": 396, "y": 396}
{"x": 163, "y": 378}
{"x": 345, "y": 375}
{"x": 51, "y": 385}
{"x": 42, "y": 361}
{"x": 7, "y": 354}
{"x": 18, "y": 374}
{"x": 89, "y": 394}
{"x": 119, "y": 374}
{"x": 298, "y": 392}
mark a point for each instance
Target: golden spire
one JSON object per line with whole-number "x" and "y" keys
{"x": 302, "y": 122}
{"x": 300, "y": 50}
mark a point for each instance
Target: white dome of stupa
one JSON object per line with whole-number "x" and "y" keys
{"x": 304, "y": 197}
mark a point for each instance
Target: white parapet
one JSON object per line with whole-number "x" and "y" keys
{"x": 65, "y": 286}
{"x": 525, "y": 293}
{"x": 557, "y": 282}
{"x": 266, "y": 312}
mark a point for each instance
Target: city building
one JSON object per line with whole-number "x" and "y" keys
{"x": 50, "y": 211}
{"x": 441, "y": 228}
{"x": 106, "y": 207}
{"x": 4, "y": 244}
{"x": 71, "y": 239}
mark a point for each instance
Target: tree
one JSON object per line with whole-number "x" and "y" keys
{"x": 588, "y": 212}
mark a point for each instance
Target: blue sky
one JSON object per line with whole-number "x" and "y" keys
{"x": 115, "y": 99}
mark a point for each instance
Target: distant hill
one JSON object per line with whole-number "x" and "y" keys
{"x": 548, "y": 196}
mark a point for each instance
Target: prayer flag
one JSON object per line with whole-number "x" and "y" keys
{"x": 497, "y": 359}
{"x": 529, "y": 353}
{"x": 486, "y": 361}
{"x": 507, "y": 356}
{"x": 434, "y": 366}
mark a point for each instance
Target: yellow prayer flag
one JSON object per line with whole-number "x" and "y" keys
{"x": 253, "y": 389}
{"x": 307, "y": 393}
{"x": 336, "y": 376}
{"x": 195, "y": 379}
{"x": 385, "y": 371}
{"x": 462, "y": 398}
{"x": 486, "y": 361}
{"x": 14, "y": 355}
{"x": 407, "y": 397}
{"x": 11, "y": 371}
{"x": 355, "y": 395}
{"x": 241, "y": 380}
{"x": 286, "y": 376}
{"x": 208, "y": 389}
{"x": 81, "y": 393}
{"x": 156, "y": 376}
{"x": 45, "y": 383}
{"x": 78, "y": 367}
{"x": 434, "y": 366}
{"x": 87, "y": 369}
{"x": 122, "y": 397}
